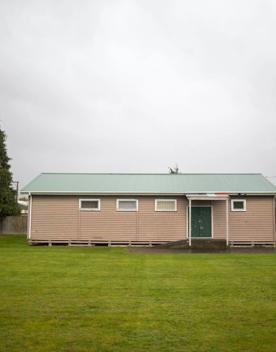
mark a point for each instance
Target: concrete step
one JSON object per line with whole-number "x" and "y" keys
{"x": 199, "y": 243}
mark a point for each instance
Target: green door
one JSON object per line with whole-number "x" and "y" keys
{"x": 201, "y": 222}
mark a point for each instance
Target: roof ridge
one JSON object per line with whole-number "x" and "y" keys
{"x": 268, "y": 181}
{"x": 150, "y": 173}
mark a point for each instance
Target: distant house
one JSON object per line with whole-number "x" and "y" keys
{"x": 151, "y": 208}
{"x": 23, "y": 206}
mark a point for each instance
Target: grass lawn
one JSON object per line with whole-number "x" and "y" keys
{"x": 106, "y": 299}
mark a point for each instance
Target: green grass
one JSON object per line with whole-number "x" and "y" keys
{"x": 106, "y": 299}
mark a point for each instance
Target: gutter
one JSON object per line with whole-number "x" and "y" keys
{"x": 149, "y": 194}
{"x": 274, "y": 220}
{"x": 30, "y": 216}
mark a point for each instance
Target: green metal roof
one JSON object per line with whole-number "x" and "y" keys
{"x": 75, "y": 183}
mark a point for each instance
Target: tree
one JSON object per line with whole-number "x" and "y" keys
{"x": 8, "y": 202}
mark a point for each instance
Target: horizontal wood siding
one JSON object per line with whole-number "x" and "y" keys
{"x": 54, "y": 217}
{"x": 161, "y": 225}
{"x": 59, "y": 217}
{"x": 108, "y": 224}
{"x": 219, "y": 219}
{"x": 254, "y": 224}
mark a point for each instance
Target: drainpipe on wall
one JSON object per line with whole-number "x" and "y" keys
{"x": 190, "y": 223}
{"x": 274, "y": 221}
{"x": 227, "y": 221}
{"x": 30, "y": 217}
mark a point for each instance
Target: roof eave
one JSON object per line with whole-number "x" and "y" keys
{"x": 147, "y": 193}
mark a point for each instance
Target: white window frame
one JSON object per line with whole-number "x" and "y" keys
{"x": 238, "y": 200}
{"x": 164, "y": 200}
{"x": 126, "y": 200}
{"x": 87, "y": 200}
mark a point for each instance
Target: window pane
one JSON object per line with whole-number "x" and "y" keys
{"x": 168, "y": 205}
{"x": 89, "y": 204}
{"x": 127, "y": 204}
{"x": 238, "y": 205}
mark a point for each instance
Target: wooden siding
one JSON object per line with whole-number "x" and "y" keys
{"x": 59, "y": 217}
{"x": 219, "y": 219}
{"x": 254, "y": 224}
{"x": 54, "y": 217}
{"x": 161, "y": 225}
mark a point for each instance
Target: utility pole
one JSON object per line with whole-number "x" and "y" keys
{"x": 16, "y": 189}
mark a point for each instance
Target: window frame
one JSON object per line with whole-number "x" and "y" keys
{"x": 164, "y": 200}
{"x": 92, "y": 200}
{"x": 118, "y": 200}
{"x": 238, "y": 200}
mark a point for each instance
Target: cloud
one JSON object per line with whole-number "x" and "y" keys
{"x": 137, "y": 86}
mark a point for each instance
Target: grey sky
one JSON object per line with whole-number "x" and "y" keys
{"x": 136, "y": 86}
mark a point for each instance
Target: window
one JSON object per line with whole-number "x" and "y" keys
{"x": 90, "y": 204}
{"x": 238, "y": 204}
{"x": 127, "y": 204}
{"x": 165, "y": 205}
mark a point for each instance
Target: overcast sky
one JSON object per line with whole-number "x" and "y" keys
{"x": 137, "y": 86}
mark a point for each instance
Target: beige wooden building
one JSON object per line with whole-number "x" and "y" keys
{"x": 129, "y": 209}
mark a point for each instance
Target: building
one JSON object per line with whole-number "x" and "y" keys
{"x": 150, "y": 208}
